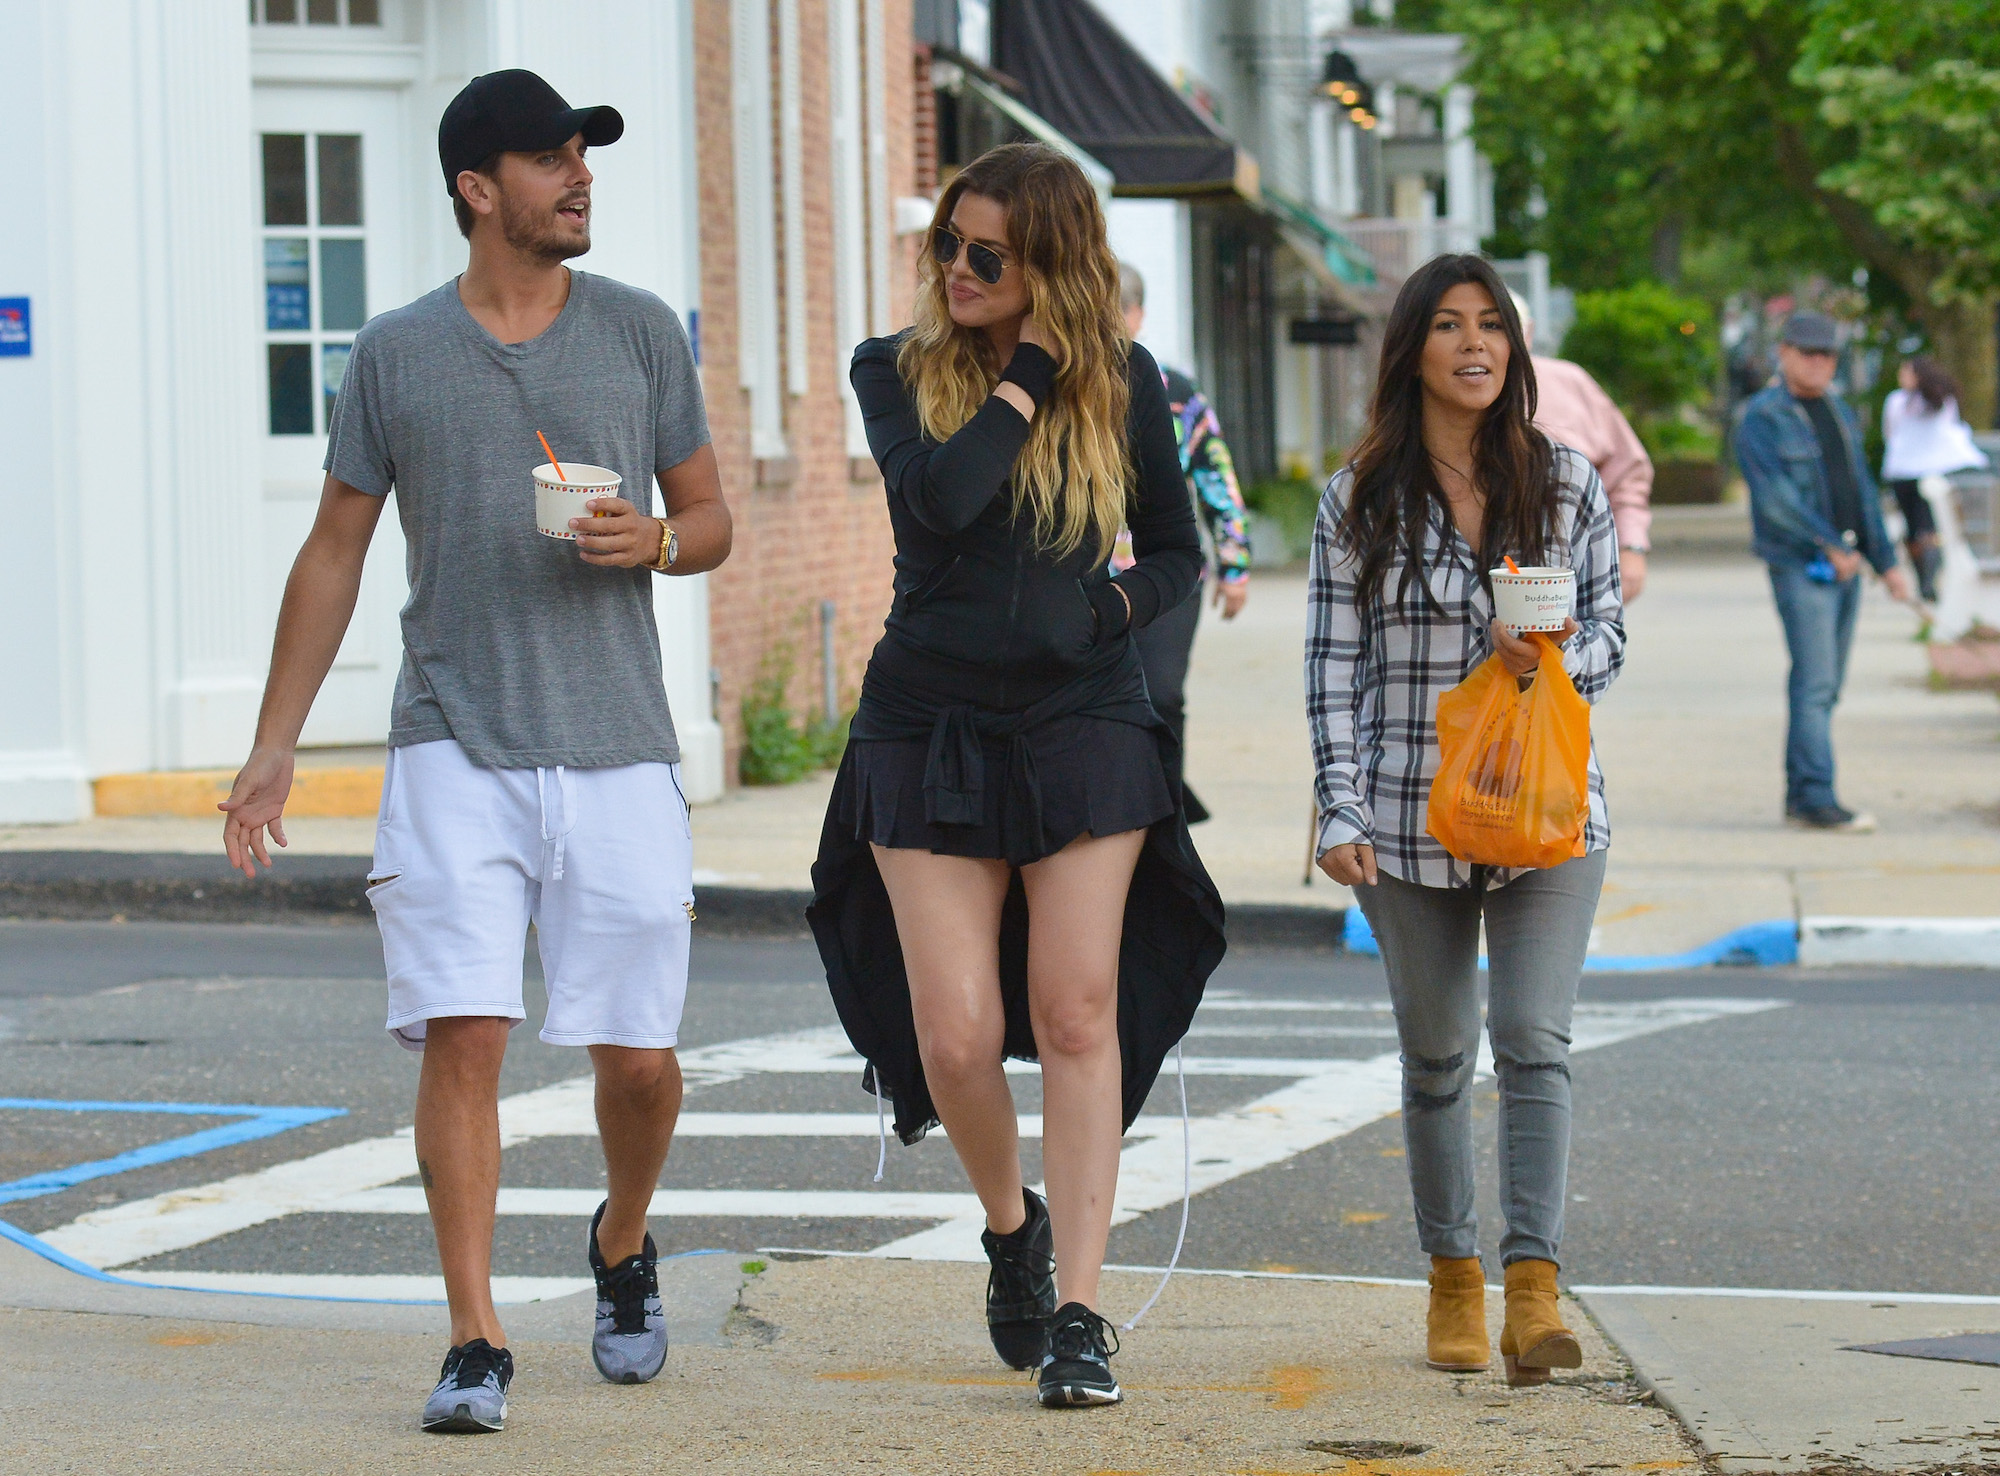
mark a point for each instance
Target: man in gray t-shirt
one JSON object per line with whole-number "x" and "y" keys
{"x": 533, "y": 772}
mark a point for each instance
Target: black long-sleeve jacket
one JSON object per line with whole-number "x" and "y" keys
{"x": 979, "y": 603}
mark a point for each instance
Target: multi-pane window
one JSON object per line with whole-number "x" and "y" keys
{"x": 316, "y": 12}
{"x": 315, "y": 273}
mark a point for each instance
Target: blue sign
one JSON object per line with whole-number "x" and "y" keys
{"x": 17, "y": 338}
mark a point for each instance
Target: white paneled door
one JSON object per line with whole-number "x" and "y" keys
{"x": 333, "y": 250}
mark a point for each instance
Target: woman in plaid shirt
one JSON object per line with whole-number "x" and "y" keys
{"x": 1452, "y": 468}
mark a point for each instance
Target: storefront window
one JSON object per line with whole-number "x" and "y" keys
{"x": 316, "y": 12}
{"x": 315, "y": 273}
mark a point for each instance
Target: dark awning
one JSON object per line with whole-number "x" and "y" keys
{"x": 1077, "y": 71}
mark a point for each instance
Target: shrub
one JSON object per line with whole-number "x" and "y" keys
{"x": 1654, "y": 352}
{"x": 777, "y": 747}
{"x": 1292, "y": 503}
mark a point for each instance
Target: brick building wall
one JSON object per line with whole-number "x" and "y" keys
{"x": 810, "y": 526}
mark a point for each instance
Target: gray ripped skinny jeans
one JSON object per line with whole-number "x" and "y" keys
{"x": 1537, "y": 929}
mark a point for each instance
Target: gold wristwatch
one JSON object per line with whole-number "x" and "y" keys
{"x": 670, "y": 548}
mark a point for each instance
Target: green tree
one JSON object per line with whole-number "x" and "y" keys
{"x": 1652, "y": 349}
{"x": 1917, "y": 90}
{"x": 1633, "y": 129}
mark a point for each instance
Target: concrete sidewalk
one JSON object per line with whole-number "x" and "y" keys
{"x": 827, "y": 1365}
{"x": 1690, "y": 738}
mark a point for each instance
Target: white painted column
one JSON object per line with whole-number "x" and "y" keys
{"x": 1324, "y": 157}
{"x": 881, "y": 230}
{"x": 756, "y": 223}
{"x": 197, "y": 210}
{"x": 792, "y": 184}
{"x": 1153, "y": 236}
{"x": 846, "y": 83}
{"x": 1461, "y": 169}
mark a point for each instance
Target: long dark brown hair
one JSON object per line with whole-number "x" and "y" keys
{"x": 1395, "y": 487}
{"x": 1934, "y": 384}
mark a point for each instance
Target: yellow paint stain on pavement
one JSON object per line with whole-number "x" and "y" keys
{"x": 1625, "y": 914}
{"x": 1362, "y": 1217}
{"x": 1278, "y": 1266}
{"x": 1392, "y": 1152}
{"x": 187, "y": 1340}
{"x": 1290, "y": 1386}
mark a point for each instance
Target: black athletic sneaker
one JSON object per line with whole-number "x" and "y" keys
{"x": 1831, "y": 817}
{"x": 629, "y": 1345}
{"x": 471, "y": 1394}
{"x": 1076, "y": 1368}
{"x": 1021, "y": 1289}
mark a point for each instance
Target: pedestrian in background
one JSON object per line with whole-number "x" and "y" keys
{"x": 1450, "y": 478}
{"x": 533, "y": 771}
{"x": 1817, "y": 522}
{"x": 1003, "y": 824}
{"x": 1574, "y": 410}
{"x": 1923, "y": 436}
{"x": 1166, "y": 645}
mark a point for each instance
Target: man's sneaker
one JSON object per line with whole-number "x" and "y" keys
{"x": 1830, "y": 817}
{"x": 1076, "y": 1367}
{"x": 630, "y": 1343}
{"x": 1021, "y": 1288}
{"x": 471, "y": 1395}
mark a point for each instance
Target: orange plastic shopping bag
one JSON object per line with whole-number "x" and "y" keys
{"x": 1513, "y": 784}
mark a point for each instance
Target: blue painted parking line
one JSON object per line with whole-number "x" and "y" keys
{"x": 1759, "y": 945}
{"x": 257, "y": 1122}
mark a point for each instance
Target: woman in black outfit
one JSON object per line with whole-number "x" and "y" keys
{"x": 1005, "y": 868}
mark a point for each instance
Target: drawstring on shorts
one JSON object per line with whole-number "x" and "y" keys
{"x": 560, "y": 837}
{"x": 1187, "y": 1192}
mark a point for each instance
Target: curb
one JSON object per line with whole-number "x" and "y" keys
{"x": 334, "y": 792}
{"x": 187, "y": 887}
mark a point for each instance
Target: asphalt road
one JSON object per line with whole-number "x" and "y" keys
{"x": 1801, "y": 1129}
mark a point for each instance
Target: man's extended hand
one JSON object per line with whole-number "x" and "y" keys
{"x": 1230, "y": 596}
{"x": 1846, "y": 563}
{"x": 618, "y": 536}
{"x": 1898, "y": 585}
{"x": 256, "y": 802}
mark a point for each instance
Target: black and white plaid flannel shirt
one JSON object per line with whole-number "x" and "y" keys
{"x": 1374, "y": 675}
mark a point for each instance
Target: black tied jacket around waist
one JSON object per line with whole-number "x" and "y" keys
{"x": 990, "y": 637}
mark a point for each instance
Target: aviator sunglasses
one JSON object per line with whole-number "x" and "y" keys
{"x": 985, "y": 262}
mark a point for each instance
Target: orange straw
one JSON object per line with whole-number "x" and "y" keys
{"x": 565, "y": 475}
{"x": 1512, "y": 567}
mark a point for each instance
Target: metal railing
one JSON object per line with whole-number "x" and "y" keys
{"x": 1399, "y": 247}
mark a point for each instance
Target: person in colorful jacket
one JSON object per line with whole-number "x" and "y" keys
{"x": 1166, "y": 645}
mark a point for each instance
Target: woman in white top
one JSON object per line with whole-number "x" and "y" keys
{"x": 1923, "y": 436}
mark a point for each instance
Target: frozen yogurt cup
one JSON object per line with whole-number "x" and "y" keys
{"x": 1534, "y": 598}
{"x": 559, "y": 498}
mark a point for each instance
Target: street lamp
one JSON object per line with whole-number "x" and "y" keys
{"x": 1341, "y": 80}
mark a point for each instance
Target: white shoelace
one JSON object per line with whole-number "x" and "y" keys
{"x": 1187, "y": 1174}
{"x": 1187, "y": 1192}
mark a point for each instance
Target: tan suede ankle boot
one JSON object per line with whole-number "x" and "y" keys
{"x": 1533, "y": 1339}
{"x": 1456, "y": 1328}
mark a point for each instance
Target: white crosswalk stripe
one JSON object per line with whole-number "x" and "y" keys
{"x": 1319, "y": 1099}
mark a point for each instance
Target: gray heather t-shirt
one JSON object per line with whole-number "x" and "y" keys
{"x": 511, "y": 643}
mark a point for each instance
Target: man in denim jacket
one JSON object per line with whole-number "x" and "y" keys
{"x": 1817, "y": 520}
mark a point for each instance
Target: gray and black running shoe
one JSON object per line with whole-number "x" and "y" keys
{"x": 471, "y": 1395}
{"x": 1021, "y": 1288}
{"x": 1076, "y": 1368}
{"x": 630, "y": 1343}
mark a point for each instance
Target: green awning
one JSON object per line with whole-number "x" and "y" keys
{"x": 1347, "y": 261}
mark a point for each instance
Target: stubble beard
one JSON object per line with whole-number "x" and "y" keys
{"x": 542, "y": 235}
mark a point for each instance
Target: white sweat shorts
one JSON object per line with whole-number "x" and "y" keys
{"x": 600, "y": 860}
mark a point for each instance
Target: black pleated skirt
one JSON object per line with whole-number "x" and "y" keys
{"x": 1098, "y": 776}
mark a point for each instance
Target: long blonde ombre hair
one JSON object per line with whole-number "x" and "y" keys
{"x": 1074, "y": 471}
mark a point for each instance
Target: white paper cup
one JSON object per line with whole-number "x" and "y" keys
{"x": 1534, "y": 599}
{"x": 558, "y": 499}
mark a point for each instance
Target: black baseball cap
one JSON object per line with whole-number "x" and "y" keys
{"x": 514, "y": 112}
{"x": 1813, "y": 332}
